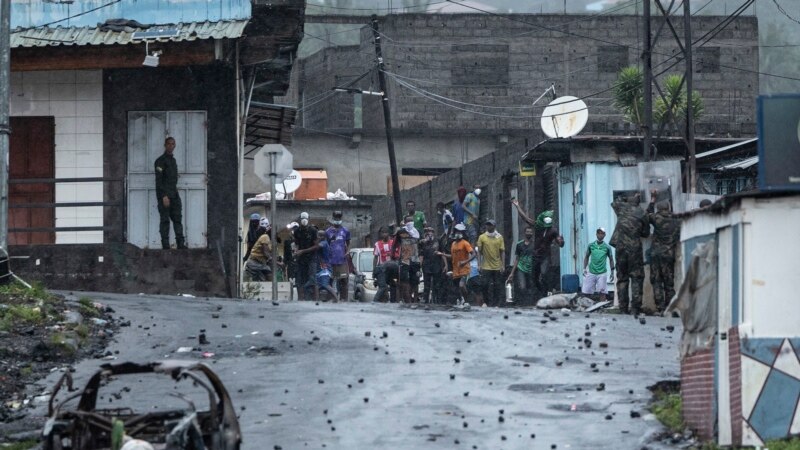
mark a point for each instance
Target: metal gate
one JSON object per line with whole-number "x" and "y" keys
{"x": 146, "y": 133}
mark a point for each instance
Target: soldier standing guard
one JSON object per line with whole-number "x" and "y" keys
{"x": 169, "y": 202}
{"x": 631, "y": 226}
{"x": 666, "y": 234}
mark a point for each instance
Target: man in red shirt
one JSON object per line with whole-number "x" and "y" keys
{"x": 382, "y": 249}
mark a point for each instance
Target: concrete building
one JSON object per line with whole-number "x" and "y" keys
{"x": 740, "y": 370}
{"x": 89, "y": 121}
{"x": 462, "y": 85}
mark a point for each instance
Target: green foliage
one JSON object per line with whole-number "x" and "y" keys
{"x": 21, "y": 445}
{"x": 36, "y": 292}
{"x": 58, "y": 341}
{"x": 20, "y": 315}
{"x": 629, "y": 94}
{"x": 783, "y": 444}
{"x": 668, "y": 408}
{"x": 26, "y": 371}
{"x": 629, "y": 98}
{"x": 87, "y": 308}
{"x": 665, "y": 112}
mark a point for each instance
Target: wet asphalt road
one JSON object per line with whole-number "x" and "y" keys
{"x": 487, "y": 379}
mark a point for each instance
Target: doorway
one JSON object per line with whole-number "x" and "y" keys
{"x": 31, "y": 155}
{"x": 146, "y": 133}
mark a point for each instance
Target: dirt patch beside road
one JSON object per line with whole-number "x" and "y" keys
{"x": 41, "y": 332}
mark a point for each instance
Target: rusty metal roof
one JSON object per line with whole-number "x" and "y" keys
{"x": 66, "y": 36}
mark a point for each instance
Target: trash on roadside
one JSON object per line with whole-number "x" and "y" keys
{"x": 184, "y": 349}
{"x": 207, "y": 355}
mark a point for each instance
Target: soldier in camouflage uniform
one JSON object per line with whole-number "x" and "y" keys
{"x": 631, "y": 226}
{"x": 666, "y": 234}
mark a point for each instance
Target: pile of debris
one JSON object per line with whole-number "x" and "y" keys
{"x": 40, "y": 333}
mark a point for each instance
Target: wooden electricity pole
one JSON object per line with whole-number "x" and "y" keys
{"x": 387, "y": 120}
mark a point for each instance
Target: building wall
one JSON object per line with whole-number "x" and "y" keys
{"x": 485, "y": 60}
{"x": 365, "y": 170}
{"x": 210, "y": 89}
{"x": 75, "y": 99}
{"x": 697, "y": 393}
{"x": 735, "y": 372}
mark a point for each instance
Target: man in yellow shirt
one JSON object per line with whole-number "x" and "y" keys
{"x": 258, "y": 264}
{"x": 492, "y": 250}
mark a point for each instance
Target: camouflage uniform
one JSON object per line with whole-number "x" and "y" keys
{"x": 666, "y": 234}
{"x": 631, "y": 226}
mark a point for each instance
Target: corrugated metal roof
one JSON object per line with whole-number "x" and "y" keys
{"x": 63, "y": 36}
{"x": 726, "y": 148}
{"x": 743, "y": 164}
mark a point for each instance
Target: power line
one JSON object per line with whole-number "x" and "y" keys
{"x": 20, "y": 30}
{"x": 521, "y": 83}
{"x": 404, "y": 8}
{"x": 783, "y": 11}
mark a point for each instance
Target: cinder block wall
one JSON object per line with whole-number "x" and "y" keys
{"x": 485, "y": 60}
{"x": 697, "y": 393}
{"x": 497, "y": 174}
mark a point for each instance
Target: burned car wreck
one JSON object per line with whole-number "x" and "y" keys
{"x": 184, "y": 427}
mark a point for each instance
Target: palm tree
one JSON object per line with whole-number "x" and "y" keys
{"x": 629, "y": 94}
{"x": 675, "y": 93}
{"x": 629, "y": 98}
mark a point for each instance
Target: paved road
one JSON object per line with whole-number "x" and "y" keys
{"x": 325, "y": 384}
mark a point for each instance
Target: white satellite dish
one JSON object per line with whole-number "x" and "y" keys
{"x": 290, "y": 184}
{"x": 564, "y": 117}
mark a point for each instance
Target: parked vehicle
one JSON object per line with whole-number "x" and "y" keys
{"x": 362, "y": 287}
{"x": 88, "y": 426}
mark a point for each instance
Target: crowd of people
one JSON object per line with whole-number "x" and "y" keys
{"x": 460, "y": 261}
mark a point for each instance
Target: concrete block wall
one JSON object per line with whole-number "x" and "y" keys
{"x": 460, "y": 57}
{"x": 496, "y": 173}
{"x": 697, "y": 393}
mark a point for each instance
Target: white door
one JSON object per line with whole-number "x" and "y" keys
{"x": 146, "y": 133}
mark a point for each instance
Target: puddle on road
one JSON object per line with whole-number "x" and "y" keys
{"x": 550, "y": 388}
{"x": 578, "y": 407}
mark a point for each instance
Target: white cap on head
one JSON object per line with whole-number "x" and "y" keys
{"x": 601, "y": 229}
{"x": 460, "y": 227}
{"x": 263, "y": 223}
{"x": 304, "y": 215}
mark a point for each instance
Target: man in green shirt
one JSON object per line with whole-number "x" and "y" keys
{"x": 522, "y": 269}
{"x": 169, "y": 202}
{"x": 594, "y": 276}
{"x": 492, "y": 250}
{"x": 419, "y": 217}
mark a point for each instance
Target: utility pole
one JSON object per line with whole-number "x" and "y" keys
{"x": 273, "y": 159}
{"x": 5, "y": 126}
{"x": 387, "y": 120}
{"x": 647, "y": 60}
{"x": 687, "y": 32}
